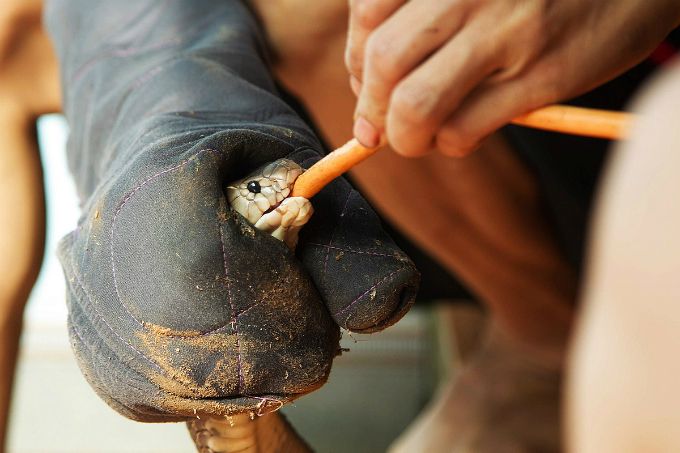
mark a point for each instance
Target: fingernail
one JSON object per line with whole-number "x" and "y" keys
{"x": 366, "y": 133}
{"x": 355, "y": 85}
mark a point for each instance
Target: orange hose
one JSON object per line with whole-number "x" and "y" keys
{"x": 558, "y": 118}
{"x": 330, "y": 167}
{"x": 578, "y": 121}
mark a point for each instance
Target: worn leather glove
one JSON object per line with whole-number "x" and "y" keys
{"x": 178, "y": 306}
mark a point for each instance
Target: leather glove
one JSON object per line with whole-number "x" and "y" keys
{"x": 178, "y": 306}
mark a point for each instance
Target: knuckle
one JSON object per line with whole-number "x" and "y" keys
{"x": 366, "y": 13}
{"x": 413, "y": 104}
{"x": 382, "y": 57}
{"x": 406, "y": 144}
{"x": 522, "y": 39}
{"x": 455, "y": 141}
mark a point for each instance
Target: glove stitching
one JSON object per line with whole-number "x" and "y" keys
{"x": 233, "y": 312}
{"x": 121, "y": 53}
{"x": 92, "y": 361}
{"x": 328, "y": 251}
{"x": 368, "y": 291}
{"x": 82, "y": 287}
{"x": 263, "y": 400}
{"x": 316, "y": 158}
{"x": 93, "y": 355}
{"x": 263, "y": 404}
{"x": 145, "y": 78}
{"x": 205, "y": 130}
{"x": 113, "y": 267}
{"x": 353, "y": 251}
{"x": 283, "y": 281}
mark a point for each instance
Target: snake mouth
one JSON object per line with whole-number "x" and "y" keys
{"x": 272, "y": 207}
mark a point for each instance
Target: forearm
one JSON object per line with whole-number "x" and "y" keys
{"x": 622, "y": 392}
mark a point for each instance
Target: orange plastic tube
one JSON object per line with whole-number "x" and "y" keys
{"x": 578, "y": 121}
{"x": 330, "y": 167}
{"x": 558, "y": 118}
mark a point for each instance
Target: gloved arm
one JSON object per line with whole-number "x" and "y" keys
{"x": 178, "y": 306}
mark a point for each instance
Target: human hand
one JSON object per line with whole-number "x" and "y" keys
{"x": 178, "y": 305}
{"x": 445, "y": 74}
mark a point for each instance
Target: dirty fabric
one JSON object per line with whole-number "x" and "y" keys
{"x": 177, "y": 305}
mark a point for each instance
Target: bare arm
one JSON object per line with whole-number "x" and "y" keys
{"x": 22, "y": 236}
{"x": 28, "y": 87}
{"x": 623, "y": 393}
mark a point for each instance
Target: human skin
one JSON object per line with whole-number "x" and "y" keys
{"x": 323, "y": 93}
{"x": 622, "y": 392}
{"x": 444, "y": 74}
{"x": 501, "y": 244}
{"x": 481, "y": 217}
{"x": 28, "y": 88}
{"x": 22, "y": 232}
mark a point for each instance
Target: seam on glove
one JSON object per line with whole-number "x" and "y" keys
{"x": 283, "y": 281}
{"x": 204, "y": 129}
{"x": 120, "y": 53}
{"x": 328, "y": 252}
{"x": 354, "y": 251}
{"x": 113, "y": 225}
{"x": 233, "y": 312}
{"x": 101, "y": 317}
{"x": 368, "y": 291}
{"x": 93, "y": 354}
{"x": 94, "y": 367}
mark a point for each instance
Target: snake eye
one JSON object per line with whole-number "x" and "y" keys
{"x": 254, "y": 187}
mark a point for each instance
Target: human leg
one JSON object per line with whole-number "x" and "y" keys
{"x": 499, "y": 242}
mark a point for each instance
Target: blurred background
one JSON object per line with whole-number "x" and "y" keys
{"x": 374, "y": 391}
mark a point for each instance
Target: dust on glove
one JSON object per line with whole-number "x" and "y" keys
{"x": 178, "y": 306}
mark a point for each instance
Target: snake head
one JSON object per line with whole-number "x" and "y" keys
{"x": 262, "y": 198}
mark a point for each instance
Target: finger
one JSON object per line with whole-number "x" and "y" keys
{"x": 424, "y": 99}
{"x": 355, "y": 85}
{"x": 491, "y": 107}
{"x": 396, "y": 47}
{"x": 364, "y": 17}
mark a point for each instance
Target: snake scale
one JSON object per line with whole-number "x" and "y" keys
{"x": 262, "y": 198}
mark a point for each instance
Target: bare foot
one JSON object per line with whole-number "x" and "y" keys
{"x": 505, "y": 400}
{"x": 239, "y": 433}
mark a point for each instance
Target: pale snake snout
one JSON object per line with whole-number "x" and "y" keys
{"x": 262, "y": 198}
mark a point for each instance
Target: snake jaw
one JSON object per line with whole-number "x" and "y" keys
{"x": 267, "y": 206}
{"x": 286, "y": 220}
